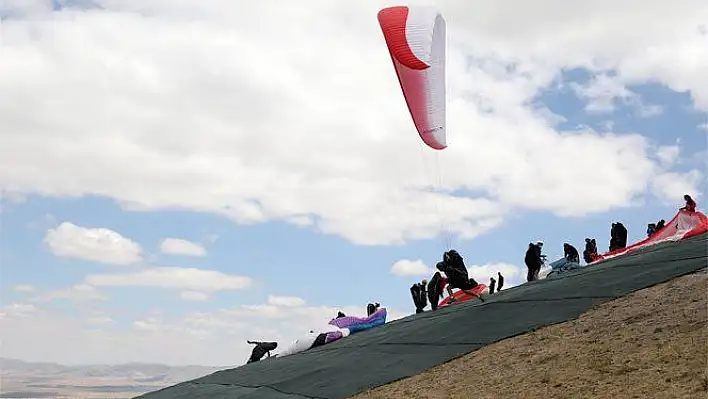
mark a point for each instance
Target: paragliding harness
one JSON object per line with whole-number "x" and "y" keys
{"x": 562, "y": 265}
{"x": 418, "y": 292}
{"x": 261, "y": 349}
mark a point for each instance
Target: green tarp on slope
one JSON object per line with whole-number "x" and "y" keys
{"x": 412, "y": 345}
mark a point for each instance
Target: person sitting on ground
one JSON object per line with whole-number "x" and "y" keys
{"x": 690, "y": 204}
{"x": 660, "y": 225}
{"x": 651, "y": 229}
{"x": 457, "y": 277}
{"x": 492, "y": 285}
{"x": 570, "y": 253}
{"x": 500, "y": 281}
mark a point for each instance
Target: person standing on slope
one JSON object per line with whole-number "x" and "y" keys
{"x": 500, "y": 281}
{"x": 590, "y": 252}
{"x": 457, "y": 277}
{"x": 436, "y": 287}
{"x": 420, "y": 295}
{"x": 533, "y": 260}
{"x": 492, "y": 285}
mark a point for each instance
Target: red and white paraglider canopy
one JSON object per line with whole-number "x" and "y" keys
{"x": 415, "y": 37}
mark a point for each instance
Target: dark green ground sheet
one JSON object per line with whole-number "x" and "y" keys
{"x": 409, "y": 346}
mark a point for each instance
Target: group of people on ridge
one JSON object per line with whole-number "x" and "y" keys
{"x": 455, "y": 276}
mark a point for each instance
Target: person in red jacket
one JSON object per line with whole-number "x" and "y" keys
{"x": 690, "y": 204}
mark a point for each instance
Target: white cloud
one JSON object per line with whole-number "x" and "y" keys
{"x": 23, "y": 288}
{"x": 173, "y": 278}
{"x": 150, "y": 324}
{"x": 201, "y": 336}
{"x": 265, "y": 148}
{"x": 406, "y": 267}
{"x": 513, "y": 275}
{"x": 670, "y": 187}
{"x": 285, "y": 301}
{"x": 603, "y": 92}
{"x": 100, "y": 320}
{"x": 93, "y": 244}
{"x": 16, "y": 310}
{"x": 668, "y": 155}
{"x": 195, "y": 296}
{"x": 76, "y": 293}
{"x": 178, "y": 246}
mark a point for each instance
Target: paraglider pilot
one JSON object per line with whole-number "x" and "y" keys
{"x": 457, "y": 277}
{"x": 590, "y": 252}
{"x": 261, "y": 349}
{"x": 420, "y": 295}
{"x": 570, "y": 253}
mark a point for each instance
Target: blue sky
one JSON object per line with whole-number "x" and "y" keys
{"x": 82, "y": 165}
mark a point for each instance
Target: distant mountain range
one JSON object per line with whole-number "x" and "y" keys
{"x": 20, "y": 379}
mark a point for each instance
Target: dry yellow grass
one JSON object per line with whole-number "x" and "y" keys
{"x": 650, "y": 344}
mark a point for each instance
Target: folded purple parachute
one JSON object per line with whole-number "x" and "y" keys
{"x": 335, "y": 330}
{"x": 356, "y": 324}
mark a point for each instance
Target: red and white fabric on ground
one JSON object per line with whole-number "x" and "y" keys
{"x": 684, "y": 225}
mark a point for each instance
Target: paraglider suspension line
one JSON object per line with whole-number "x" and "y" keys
{"x": 437, "y": 186}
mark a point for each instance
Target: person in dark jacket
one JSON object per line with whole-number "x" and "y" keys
{"x": 590, "y": 251}
{"x": 436, "y": 287}
{"x": 372, "y": 308}
{"x": 500, "y": 281}
{"x": 492, "y": 285}
{"x": 454, "y": 268}
{"x": 618, "y": 236}
{"x": 420, "y": 295}
{"x": 621, "y": 235}
{"x": 660, "y": 225}
{"x": 570, "y": 253}
{"x": 651, "y": 229}
{"x": 533, "y": 260}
